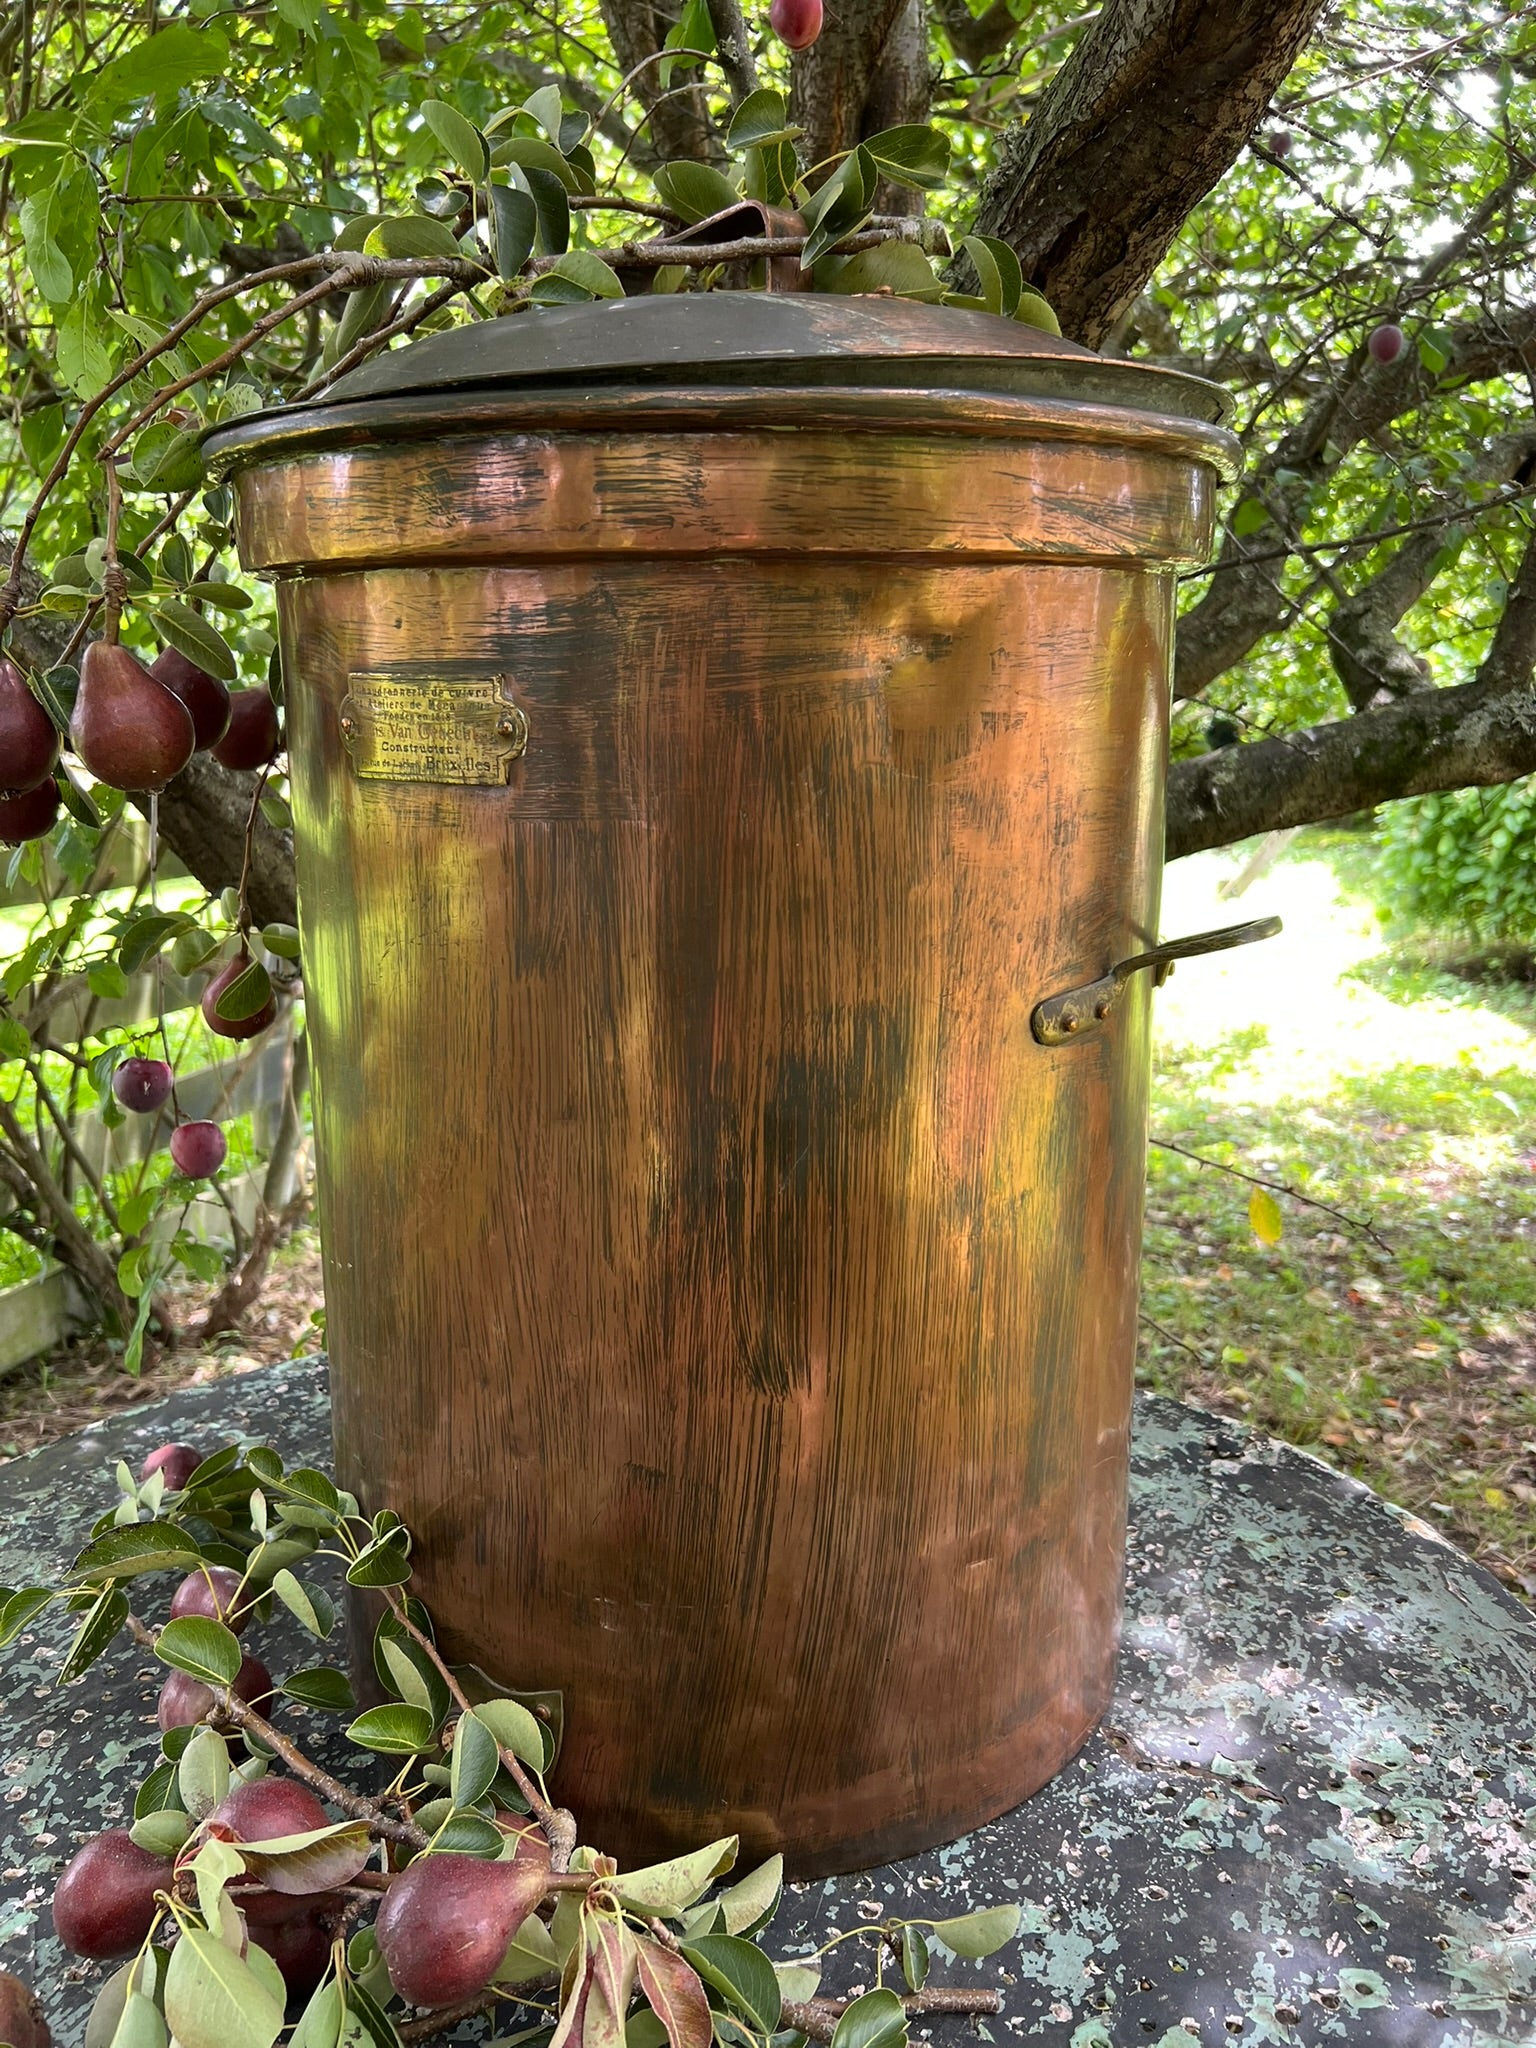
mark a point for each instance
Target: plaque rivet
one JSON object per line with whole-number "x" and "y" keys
{"x": 349, "y": 726}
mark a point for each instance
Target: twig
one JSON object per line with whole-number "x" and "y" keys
{"x": 114, "y": 584}
{"x": 466, "y": 2009}
{"x": 1153, "y": 1324}
{"x": 817, "y": 2017}
{"x": 1279, "y": 1187}
{"x": 558, "y": 1825}
{"x": 704, "y": 255}
{"x": 360, "y": 351}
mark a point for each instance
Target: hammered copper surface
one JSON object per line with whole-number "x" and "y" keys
{"x": 730, "y": 1293}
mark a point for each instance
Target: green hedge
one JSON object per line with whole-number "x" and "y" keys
{"x": 1464, "y": 862}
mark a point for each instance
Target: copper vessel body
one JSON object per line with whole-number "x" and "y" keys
{"x": 735, "y": 1300}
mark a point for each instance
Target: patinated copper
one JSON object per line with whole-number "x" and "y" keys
{"x": 731, "y": 1293}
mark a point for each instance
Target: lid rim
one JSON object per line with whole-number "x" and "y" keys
{"x": 292, "y": 433}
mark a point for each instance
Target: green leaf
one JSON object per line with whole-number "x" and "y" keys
{"x": 320, "y": 1686}
{"x": 396, "y": 1730}
{"x": 168, "y": 458}
{"x": 1249, "y": 517}
{"x": 752, "y": 1903}
{"x": 516, "y": 1729}
{"x": 214, "y": 2000}
{"x": 763, "y": 116}
{"x": 693, "y": 35}
{"x": 201, "y": 1647}
{"x": 145, "y": 936}
{"x": 146, "y": 1547}
{"x": 665, "y": 1889}
{"x": 250, "y": 991}
{"x": 462, "y": 140}
{"x": 141, "y": 2024}
{"x": 162, "y": 1833}
{"x": 228, "y": 597}
{"x": 974, "y": 1935}
{"x": 143, "y": 1975}
{"x": 406, "y": 1677}
{"x": 552, "y": 208}
{"x": 312, "y": 1607}
{"x": 384, "y": 1563}
{"x": 158, "y": 1792}
{"x": 998, "y": 272}
{"x": 106, "y": 1616}
{"x": 529, "y": 153}
{"x": 798, "y": 1981}
{"x": 694, "y": 190}
{"x": 190, "y": 634}
{"x": 320, "y": 2023}
{"x": 914, "y": 1958}
{"x": 742, "y": 1973}
{"x": 877, "y": 2020}
{"x": 159, "y": 65}
{"x": 414, "y": 235}
{"x": 514, "y": 229}
{"x": 19, "y": 1609}
{"x": 839, "y": 207}
{"x": 770, "y": 172}
{"x": 894, "y": 266}
{"x": 914, "y": 156}
{"x": 1035, "y": 311}
{"x": 202, "y": 1772}
{"x": 281, "y": 939}
{"x": 475, "y": 1761}
{"x": 467, "y": 1834}
{"x": 106, "y": 980}
{"x": 578, "y": 275}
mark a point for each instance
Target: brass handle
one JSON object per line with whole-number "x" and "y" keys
{"x": 1077, "y": 1010}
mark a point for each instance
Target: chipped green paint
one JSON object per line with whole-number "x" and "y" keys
{"x": 1309, "y": 1818}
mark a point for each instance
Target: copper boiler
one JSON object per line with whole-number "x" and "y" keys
{"x": 718, "y": 726}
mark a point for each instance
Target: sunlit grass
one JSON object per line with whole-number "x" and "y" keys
{"x": 1329, "y": 1060}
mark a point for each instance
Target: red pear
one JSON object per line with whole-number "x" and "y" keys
{"x": 198, "y": 1150}
{"x": 29, "y": 816}
{"x": 796, "y": 23}
{"x": 1385, "y": 343}
{"x": 210, "y": 1593}
{"x": 142, "y": 1085}
{"x": 21, "y": 2017}
{"x": 262, "y": 1809}
{"x": 185, "y": 1700}
{"x": 127, "y": 728}
{"x": 177, "y": 1461}
{"x": 104, "y": 1904}
{"x": 252, "y": 738}
{"x": 300, "y": 1946}
{"x": 446, "y": 1920}
{"x": 29, "y": 740}
{"x": 205, "y": 697}
{"x": 234, "y": 1027}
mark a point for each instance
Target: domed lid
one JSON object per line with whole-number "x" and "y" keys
{"x": 769, "y": 338}
{"x": 737, "y": 357}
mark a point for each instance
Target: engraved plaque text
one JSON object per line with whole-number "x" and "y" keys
{"x": 419, "y": 729}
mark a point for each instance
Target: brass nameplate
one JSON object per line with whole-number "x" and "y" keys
{"x": 414, "y": 729}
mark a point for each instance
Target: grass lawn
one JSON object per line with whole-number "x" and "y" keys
{"x": 1349, "y": 1067}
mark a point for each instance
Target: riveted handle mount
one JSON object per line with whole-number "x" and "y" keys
{"x": 1077, "y": 1011}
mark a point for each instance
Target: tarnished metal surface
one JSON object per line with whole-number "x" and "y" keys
{"x": 713, "y": 1275}
{"x": 1307, "y": 1819}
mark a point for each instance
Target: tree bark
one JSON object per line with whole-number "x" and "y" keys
{"x": 867, "y": 71}
{"x": 678, "y": 118}
{"x": 1480, "y": 734}
{"x": 1156, "y": 101}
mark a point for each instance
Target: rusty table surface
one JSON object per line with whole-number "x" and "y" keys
{"x": 1307, "y": 1818}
